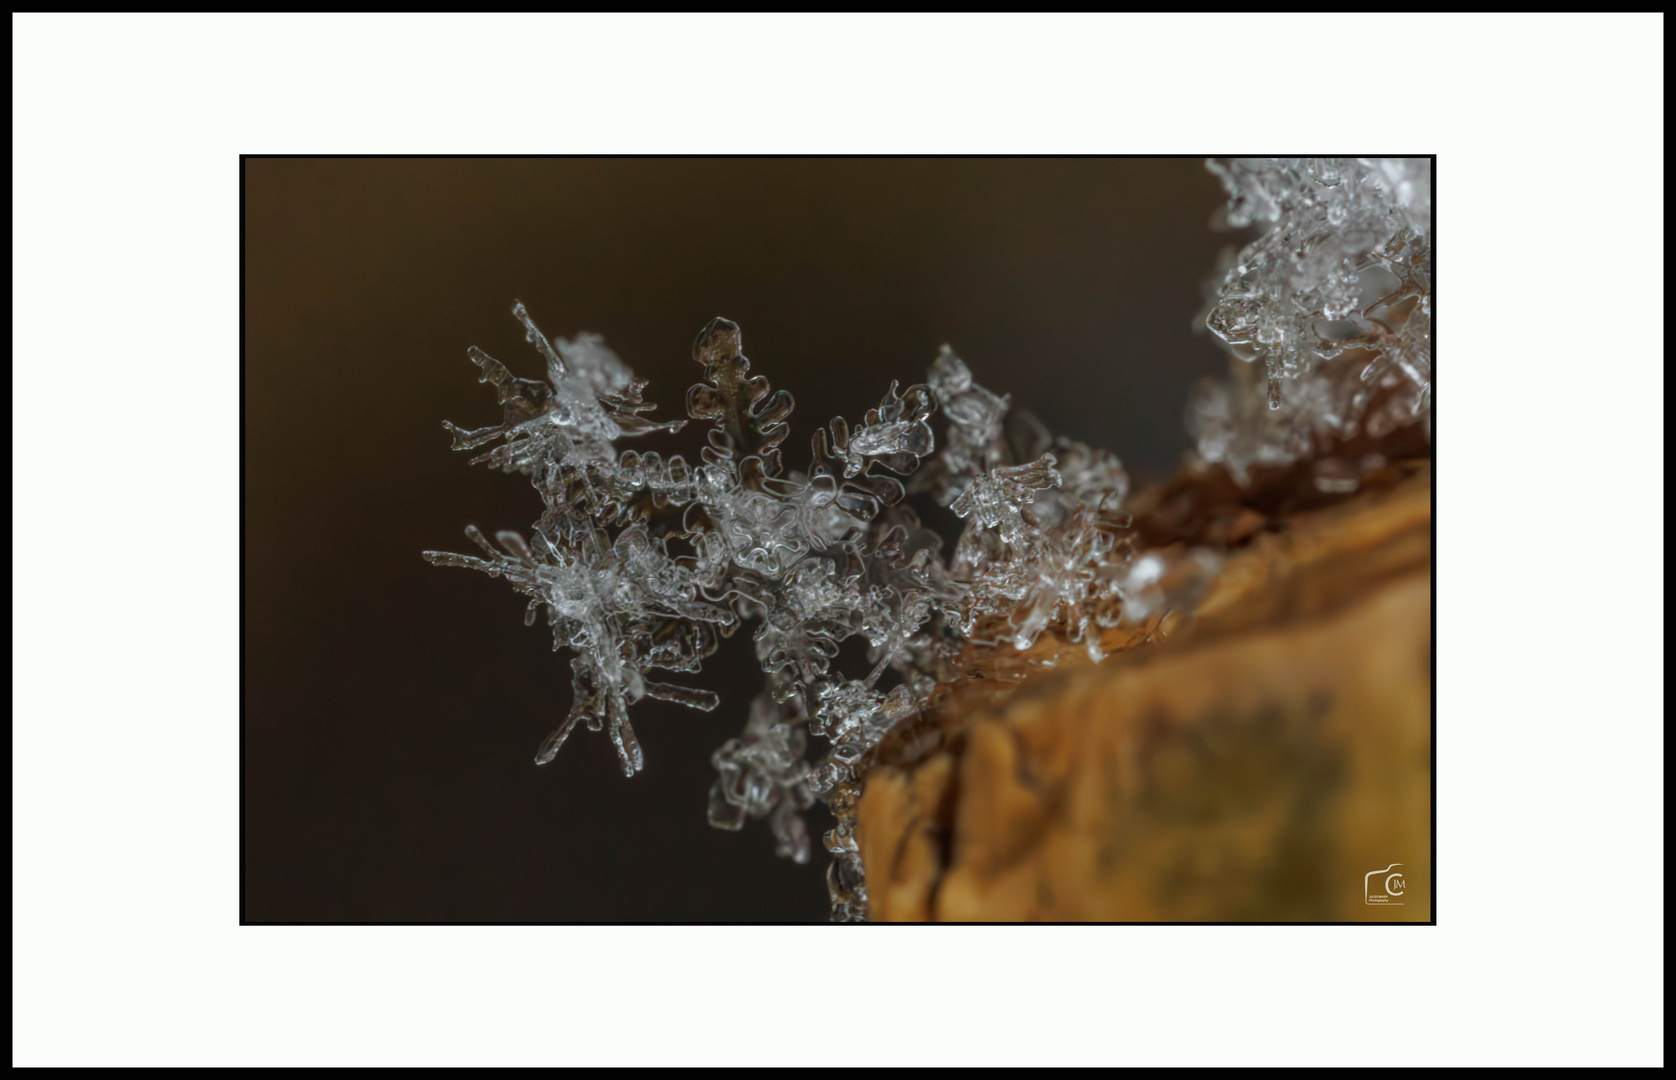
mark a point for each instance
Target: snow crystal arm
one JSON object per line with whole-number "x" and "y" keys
{"x": 749, "y": 417}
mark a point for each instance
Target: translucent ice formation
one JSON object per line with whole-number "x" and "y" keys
{"x": 642, "y": 565}
{"x": 1333, "y": 297}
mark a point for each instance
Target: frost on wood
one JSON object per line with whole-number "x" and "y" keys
{"x": 1328, "y": 310}
{"x": 642, "y": 565}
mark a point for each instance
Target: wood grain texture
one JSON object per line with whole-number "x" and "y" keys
{"x": 1256, "y": 764}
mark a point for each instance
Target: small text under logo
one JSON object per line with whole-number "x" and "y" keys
{"x": 1384, "y": 886}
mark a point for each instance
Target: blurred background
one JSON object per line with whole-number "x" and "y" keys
{"x": 391, "y": 709}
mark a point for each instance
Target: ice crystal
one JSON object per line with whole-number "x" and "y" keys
{"x": 763, "y": 774}
{"x": 1039, "y": 541}
{"x": 1333, "y": 297}
{"x": 643, "y": 564}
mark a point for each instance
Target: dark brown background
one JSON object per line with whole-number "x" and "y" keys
{"x": 392, "y": 709}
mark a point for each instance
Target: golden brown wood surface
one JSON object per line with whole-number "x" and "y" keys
{"x": 1257, "y": 763}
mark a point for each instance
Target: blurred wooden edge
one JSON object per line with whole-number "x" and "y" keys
{"x": 1267, "y": 760}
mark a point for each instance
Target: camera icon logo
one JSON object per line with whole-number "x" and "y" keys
{"x": 1384, "y": 886}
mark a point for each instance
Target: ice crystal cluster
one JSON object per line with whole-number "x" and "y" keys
{"x": 642, "y": 564}
{"x": 1329, "y": 310}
